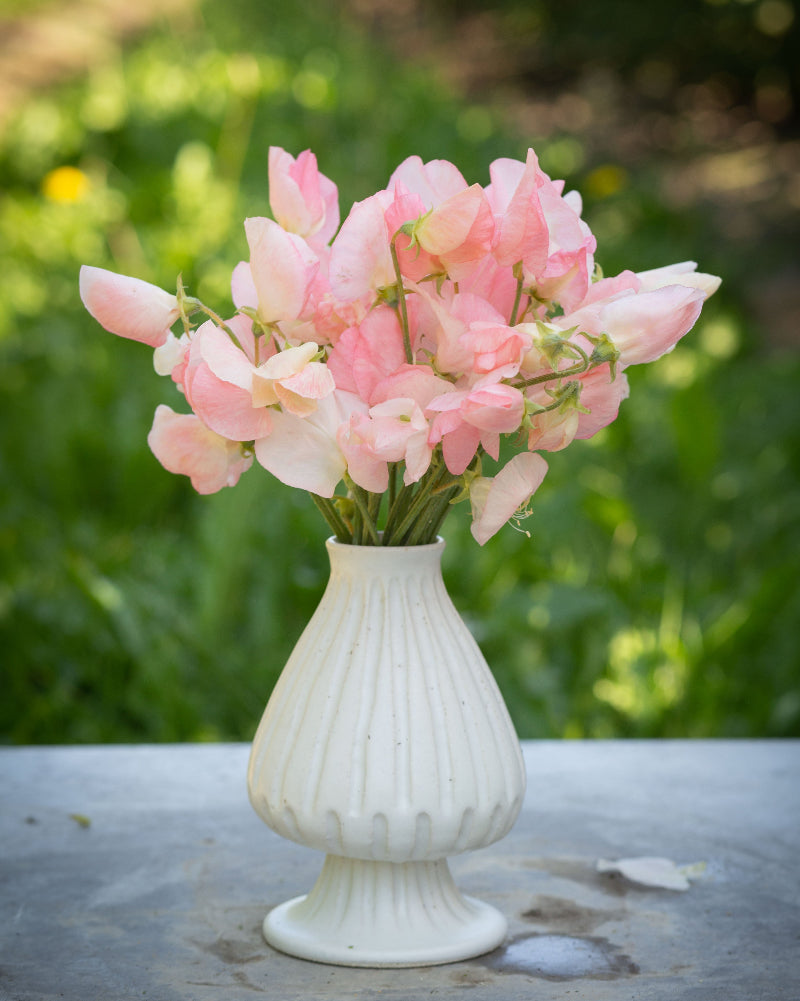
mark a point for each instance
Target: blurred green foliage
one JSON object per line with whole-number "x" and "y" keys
{"x": 658, "y": 594}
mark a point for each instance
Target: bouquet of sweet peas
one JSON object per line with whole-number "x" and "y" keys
{"x": 378, "y": 365}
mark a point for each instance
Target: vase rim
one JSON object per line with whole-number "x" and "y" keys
{"x": 333, "y": 543}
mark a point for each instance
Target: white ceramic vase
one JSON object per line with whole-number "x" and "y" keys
{"x": 386, "y": 744}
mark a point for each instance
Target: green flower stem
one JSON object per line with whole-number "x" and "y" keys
{"x": 430, "y": 485}
{"x": 218, "y": 320}
{"x": 368, "y": 530}
{"x": 517, "y": 300}
{"x": 551, "y": 376}
{"x": 401, "y": 298}
{"x": 426, "y": 528}
{"x": 397, "y": 510}
{"x": 328, "y": 511}
{"x": 392, "y": 484}
{"x": 374, "y": 502}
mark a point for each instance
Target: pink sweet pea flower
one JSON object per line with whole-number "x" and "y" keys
{"x": 415, "y": 261}
{"x": 411, "y": 382}
{"x": 170, "y": 356}
{"x": 495, "y": 500}
{"x": 293, "y": 379}
{"x": 465, "y": 419}
{"x": 434, "y": 182}
{"x": 495, "y": 285}
{"x": 601, "y": 396}
{"x": 402, "y": 431}
{"x": 221, "y": 404}
{"x": 454, "y": 223}
{"x": 364, "y": 467}
{"x": 646, "y": 326}
{"x": 521, "y": 232}
{"x": 367, "y": 354}
{"x": 232, "y": 394}
{"x": 458, "y": 231}
{"x": 645, "y": 314}
{"x": 553, "y": 430}
{"x": 394, "y": 431}
{"x": 684, "y": 273}
{"x": 283, "y": 269}
{"x": 184, "y": 445}
{"x": 304, "y": 452}
{"x": 302, "y": 200}
{"x": 333, "y": 316}
{"x": 128, "y": 307}
{"x": 443, "y": 323}
{"x": 566, "y": 275}
{"x": 495, "y": 345}
{"x": 360, "y": 259}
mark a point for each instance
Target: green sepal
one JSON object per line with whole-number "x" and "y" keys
{"x": 605, "y": 352}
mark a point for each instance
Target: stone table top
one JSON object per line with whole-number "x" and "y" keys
{"x": 131, "y": 872}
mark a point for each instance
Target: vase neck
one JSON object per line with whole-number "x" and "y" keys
{"x": 378, "y": 561}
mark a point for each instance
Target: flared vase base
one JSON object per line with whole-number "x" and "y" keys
{"x": 383, "y": 914}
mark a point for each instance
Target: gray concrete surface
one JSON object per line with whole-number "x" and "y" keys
{"x": 142, "y": 872}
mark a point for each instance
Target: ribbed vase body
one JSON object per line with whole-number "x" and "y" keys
{"x": 386, "y": 738}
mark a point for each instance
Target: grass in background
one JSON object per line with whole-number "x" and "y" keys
{"x": 658, "y": 593}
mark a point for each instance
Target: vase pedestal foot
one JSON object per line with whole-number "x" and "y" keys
{"x": 379, "y": 914}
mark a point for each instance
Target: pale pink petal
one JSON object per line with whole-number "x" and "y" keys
{"x": 404, "y": 208}
{"x": 602, "y": 396}
{"x": 226, "y": 408}
{"x": 433, "y": 182}
{"x": 415, "y": 262}
{"x": 490, "y": 441}
{"x": 184, "y": 445}
{"x": 460, "y": 229}
{"x": 417, "y": 382}
{"x": 342, "y": 360}
{"x": 128, "y": 307}
{"x": 553, "y": 430}
{"x": 494, "y": 501}
{"x": 366, "y": 355}
{"x": 364, "y": 467}
{"x": 313, "y": 382}
{"x": 293, "y": 192}
{"x": 223, "y": 357}
{"x": 643, "y": 327}
{"x": 459, "y": 447}
{"x": 625, "y": 283}
{"x": 418, "y": 458}
{"x": 243, "y": 289}
{"x": 360, "y": 259}
{"x": 506, "y": 177}
{"x": 302, "y": 454}
{"x": 495, "y": 285}
{"x": 497, "y": 408}
{"x": 365, "y": 470}
{"x": 521, "y": 232}
{"x": 302, "y": 200}
{"x": 169, "y": 355}
{"x": 283, "y": 268}
{"x": 685, "y": 273}
{"x": 440, "y": 328}
{"x": 284, "y": 364}
{"x": 495, "y": 345}
{"x": 294, "y": 403}
{"x": 379, "y": 351}
{"x": 566, "y": 279}
{"x": 330, "y": 200}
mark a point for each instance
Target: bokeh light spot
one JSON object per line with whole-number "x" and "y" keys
{"x": 65, "y": 184}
